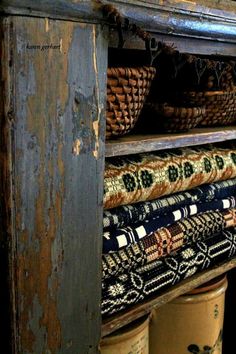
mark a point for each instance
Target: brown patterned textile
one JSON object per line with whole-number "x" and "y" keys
{"x": 134, "y": 286}
{"x": 145, "y": 177}
{"x": 166, "y": 240}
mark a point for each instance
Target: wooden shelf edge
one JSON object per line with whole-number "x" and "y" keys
{"x": 134, "y": 144}
{"x": 112, "y": 324}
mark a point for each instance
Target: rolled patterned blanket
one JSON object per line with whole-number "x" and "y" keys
{"x": 115, "y": 239}
{"x": 166, "y": 240}
{"x": 120, "y": 292}
{"x": 131, "y": 214}
{"x": 145, "y": 177}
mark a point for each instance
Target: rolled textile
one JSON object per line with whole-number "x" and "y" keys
{"x": 130, "y": 288}
{"x": 166, "y": 240}
{"x": 115, "y": 239}
{"x": 130, "y": 214}
{"x": 143, "y": 177}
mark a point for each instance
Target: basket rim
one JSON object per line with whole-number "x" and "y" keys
{"x": 130, "y": 71}
{"x": 169, "y": 105}
{"x": 209, "y": 93}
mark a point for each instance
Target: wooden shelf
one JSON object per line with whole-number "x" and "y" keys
{"x": 137, "y": 311}
{"x": 204, "y": 47}
{"x": 133, "y": 144}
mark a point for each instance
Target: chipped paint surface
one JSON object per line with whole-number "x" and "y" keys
{"x": 46, "y": 24}
{"x": 96, "y": 132}
{"x": 190, "y": 2}
{"x": 76, "y": 147}
{"x": 57, "y": 186}
{"x": 43, "y": 87}
{"x": 97, "y": 93}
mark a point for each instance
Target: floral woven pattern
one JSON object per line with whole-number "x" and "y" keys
{"x": 115, "y": 239}
{"x": 120, "y": 292}
{"x": 130, "y": 214}
{"x": 166, "y": 240}
{"x": 148, "y": 176}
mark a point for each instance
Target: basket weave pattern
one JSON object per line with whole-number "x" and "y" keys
{"x": 127, "y": 89}
{"x": 220, "y": 106}
{"x": 173, "y": 119}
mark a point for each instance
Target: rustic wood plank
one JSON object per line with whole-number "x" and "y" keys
{"x": 183, "y": 44}
{"x": 212, "y": 19}
{"x": 84, "y": 10}
{"x": 57, "y": 138}
{"x": 8, "y": 333}
{"x": 77, "y": 8}
{"x": 221, "y": 8}
{"x": 133, "y": 144}
{"x": 169, "y": 20}
{"x": 122, "y": 319}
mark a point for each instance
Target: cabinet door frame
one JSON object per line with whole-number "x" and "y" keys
{"x": 52, "y": 162}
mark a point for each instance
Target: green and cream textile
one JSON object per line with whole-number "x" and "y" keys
{"x": 145, "y": 177}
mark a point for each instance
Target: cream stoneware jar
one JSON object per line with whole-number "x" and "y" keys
{"x": 133, "y": 339}
{"x": 191, "y": 323}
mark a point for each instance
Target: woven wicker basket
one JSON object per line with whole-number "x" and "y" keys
{"x": 127, "y": 89}
{"x": 220, "y": 106}
{"x": 172, "y": 119}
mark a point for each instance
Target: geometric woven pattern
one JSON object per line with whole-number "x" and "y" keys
{"x": 115, "y": 239}
{"x": 134, "y": 286}
{"x": 130, "y": 214}
{"x": 166, "y": 240}
{"x": 143, "y": 177}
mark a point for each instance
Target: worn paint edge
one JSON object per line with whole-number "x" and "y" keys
{"x": 97, "y": 91}
{"x": 7, "y": 163}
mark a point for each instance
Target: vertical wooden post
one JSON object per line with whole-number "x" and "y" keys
{"x": 53, "y": 153}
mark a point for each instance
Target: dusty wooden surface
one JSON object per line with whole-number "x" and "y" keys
{"x": 221, "y": 8}
{"x": 210, "y": 19}
{"x": 183, "y": 44}
{"x": 53, "y": 183}
{"x": 52, "y": 153}
{"x": 122, "y": 319}
{"x": 133, "y": 144}
{"x": 7, "y": 244}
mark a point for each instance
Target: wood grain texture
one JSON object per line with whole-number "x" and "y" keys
{"x": 122, "y": 319}
{"x": 184, "y": 44}
{"x": 8, "y": 332}
{"x": 221, "y": 8}
{"x": 85, "y": 10}
{"x": 57, "y": 138}
{"x": 211, "y": 19}
{"x": 133, "y": 144}
{"x": 217, "y": 8}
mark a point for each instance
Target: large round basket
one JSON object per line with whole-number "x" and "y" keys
{"x": 220, "y": 106}
{"x": 167, "y": 118}
{"x": 127, "y": 89}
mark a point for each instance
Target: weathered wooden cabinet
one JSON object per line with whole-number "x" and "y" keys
{"x": 52, "y": 100}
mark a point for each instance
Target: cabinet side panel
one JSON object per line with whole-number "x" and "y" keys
{"x": 59, "y": 154}
{"x": 8, "y": 337}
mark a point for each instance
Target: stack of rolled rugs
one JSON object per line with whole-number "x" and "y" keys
{"x": 168, "y": 215}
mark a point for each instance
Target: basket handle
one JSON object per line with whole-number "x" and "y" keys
{"x": 200, "y": 67}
